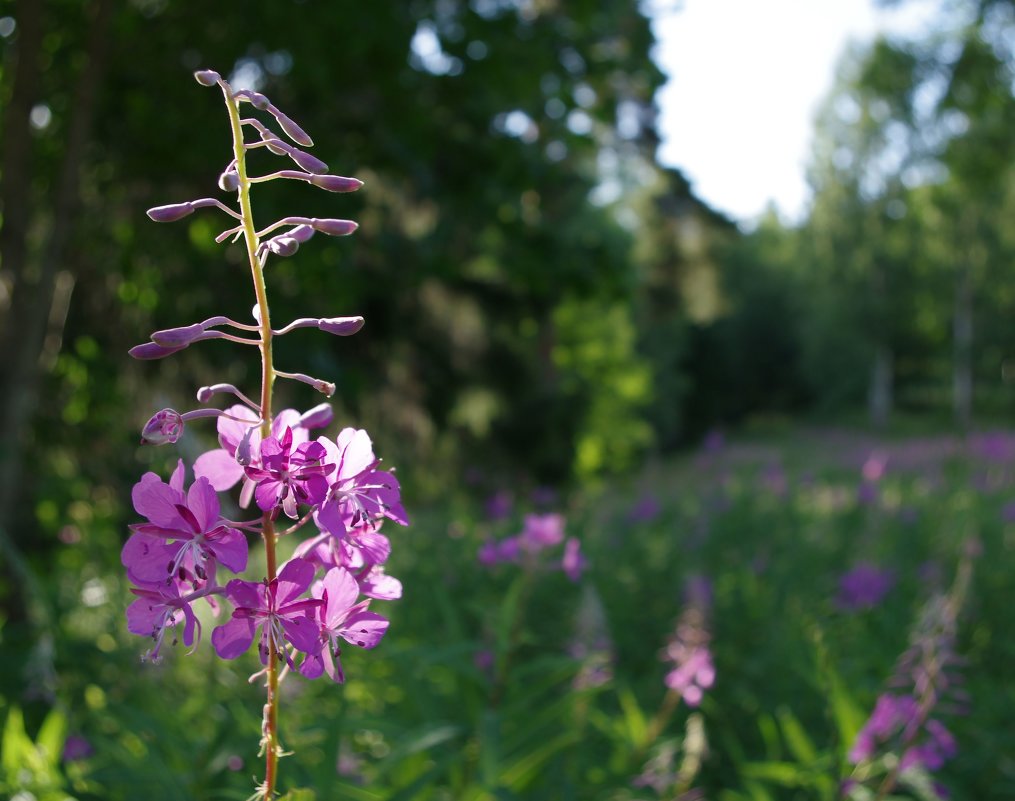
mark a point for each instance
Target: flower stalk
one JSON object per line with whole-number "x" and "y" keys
{"x": 174, "y": 556}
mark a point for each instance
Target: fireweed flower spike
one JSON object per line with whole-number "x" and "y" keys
{"x": 309, "y": 604}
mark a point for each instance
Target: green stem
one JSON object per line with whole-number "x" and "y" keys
{"x": 270, "y": 724}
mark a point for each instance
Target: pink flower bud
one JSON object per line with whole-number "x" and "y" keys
{"x": 207, "y": 77}
{"x": 165, "y": 427}
{"x": 336, "y": 183}
{"x": 334, "y": 227}
{"x": 318, "y": 417}
{"x": 178, "y": 337}
{"x": 171, "y": 213}
{"x": 341, "y": 326}
{"x": 152, "y": 350}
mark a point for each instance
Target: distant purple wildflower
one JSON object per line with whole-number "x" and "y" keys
{"x": 864, "y": 587}
{"x": 693, "y": 671}
{"x": 498, "y": 506}
{"x": 76, "y": 748}
{"x": 645, "y": 510}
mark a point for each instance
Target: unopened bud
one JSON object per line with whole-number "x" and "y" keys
{"x": 178, "y": 337}
{"x": 334, "y": 227}
{"x": 318, "y": 417}
{"x": 293, "y": 131}
{"x": 171, "y": 213}
{"x": 229, "y": 181}
{"x": 165, "y": 427}
{"x": 301, "y": 233}
{"x": 341, "y": 326}
{"x": 258, "y": 101}
{"x": 282, "y": 245}
{"x": 152, "y": 350}
{"x": 307, "y": 161}
{"x": 336, "y": 183}
{"x": 207, "y": 77}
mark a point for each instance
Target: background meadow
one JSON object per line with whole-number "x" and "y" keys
{"x": 781, "y": 455}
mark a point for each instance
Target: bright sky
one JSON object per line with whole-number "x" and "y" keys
{"x": 746, "y": 78}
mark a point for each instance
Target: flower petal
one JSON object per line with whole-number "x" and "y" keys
{"x": 294, "y": 579}
{"x": 304, "y": 633}
{"x": 220, "y": 468}
{"x": 230, "y": 549}
{"x": 233, "y": 637}
{"x": 364, "y": 629}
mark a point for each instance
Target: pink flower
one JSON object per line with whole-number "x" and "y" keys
{"x": 341, "y": 617}
{"x": 277, "y": 609}
{"x": 184, "y": 535}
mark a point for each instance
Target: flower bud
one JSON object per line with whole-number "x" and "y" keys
{"x": 318, "y": 417}
{"x": 336, "y": 183}
{"x": 172, "y": 212}
{"x": 178, "y": 337}
{"x": 207, "y": 77}
{"x": 307, "y": 162}
{"x": 152, "y": 350}
{"x": 258, "y": 101}
{"x": 229, "y": 181}
{"x": 293, "y": 131}
{"x": 165, "y": 427}
{"x": 282, "y": 245}
{"x": 334, "y": 227}
{"x": 301, "y": 233}
{"x": 341, "y": 326}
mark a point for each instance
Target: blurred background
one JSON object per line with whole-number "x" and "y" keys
{"x": 556, "y": 322}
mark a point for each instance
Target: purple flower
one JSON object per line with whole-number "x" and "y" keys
{"x": 694, "y": 673}
{"x": 76, "y": 748}
{"x": 288, "y": 477}
{"x": 645, "y": 510}
{"x": 158, "y": 608}
{"x": 165, "y": 427}
{"x": 573, "y": 563}
{"x": 359, "y": 496}
{"x": 184, "y": 535}
{"x": 341, "y": 617}
{"x": 498, "y": 505}
{"x": 239, "y": 431}
{"x": 864, "y": 587}
{"x": 541, "y": 532}
{"x": 494, "y": 552}
{"x": 277, "y": 609}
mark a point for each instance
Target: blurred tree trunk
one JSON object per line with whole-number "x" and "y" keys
{"x": 34, "y": 304}
{"x": 879, "y": 400}
{"x": 962, "y": 377}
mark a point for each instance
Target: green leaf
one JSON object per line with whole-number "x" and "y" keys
{"x": 301, "y": 794}
{"x": 52, "y": 735}
{"x": 796, "y": 738}
{"x": 16, "y": 746}
{"x": 633, "y": 716}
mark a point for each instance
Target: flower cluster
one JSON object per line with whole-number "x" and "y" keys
{"x": 692, "y": 671}
{"x": 901, "y": 738}
{"x": 539, "y": 534}
{"x": 302, "y": 609}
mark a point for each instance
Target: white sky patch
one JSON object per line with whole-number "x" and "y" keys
{"x": 745, "y": 82}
